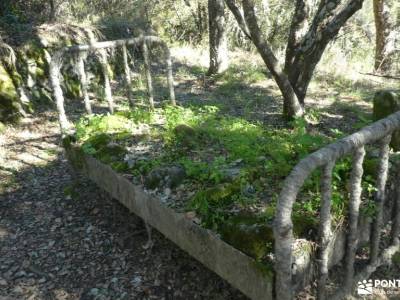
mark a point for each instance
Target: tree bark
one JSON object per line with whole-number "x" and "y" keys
{"x": 106, "y": 75}
{"x": 217, "y": 37}
{"x": 52, "y": 16}
{"x": 84, "y": 82}
{"x": 382, "y": 31}
{"x": 127, "y": 71}
{"x": 304, "y": 47}
{"x": 291, "y": 106}
{"x": 147, "y": 69}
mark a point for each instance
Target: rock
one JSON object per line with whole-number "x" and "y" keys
{"x": 230, "y": 174}
{"x": 9, "y": 103}
{"x": 232, "y": 171}
{"x": 186, "y": 135}
{"x": 42, "y": 280}
{"x": 20, "y": 274}
{"x": 3, "y": 282}
{"x": 169, "y": 177}
{"x": 385, "y": 103}
{"x": 94, "y": 292}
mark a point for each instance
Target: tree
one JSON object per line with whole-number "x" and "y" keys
{"x": 52, "y": 15}
{"x": 217, "y": 37}
{"x": 306, "y": 42}
{"x": 384, "y": 45}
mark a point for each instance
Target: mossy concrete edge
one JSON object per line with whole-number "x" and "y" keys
{"x": 238, "y": 269}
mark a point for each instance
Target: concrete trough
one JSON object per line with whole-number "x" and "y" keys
{"x": 240, "y": 270}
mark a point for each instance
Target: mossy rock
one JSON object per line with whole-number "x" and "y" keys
{"x": 250, "y": 234}
{"x": 386, "y": 103}
{"x": 110, "y": 154}
{"x": 167, "y": 176}
{"x": 9, "y": 101}
{"x": 186, "y": 135}
{"x": 102, "y": 147}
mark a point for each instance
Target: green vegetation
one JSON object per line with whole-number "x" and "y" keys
{"x": 236, "y": 166}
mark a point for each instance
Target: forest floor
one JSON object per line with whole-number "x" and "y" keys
{"x": 62, "y": 238}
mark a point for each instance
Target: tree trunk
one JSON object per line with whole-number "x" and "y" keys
{"x": 382, "y": 31}
{"x": 291, "y": 104}
{"x": 217, "y": 37}
{"x": 52, "y": 16}
{"x": 304, "y": 46}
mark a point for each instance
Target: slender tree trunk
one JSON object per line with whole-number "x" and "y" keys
{"x": 304, "y": 48}
{"x": 382, "y": 31}
{"x": 291, "y": 105}
{"x": 52, "y": 16}
{"x": 217, "y": 37}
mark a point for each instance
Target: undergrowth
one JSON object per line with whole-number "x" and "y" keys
{"x": 236, "y": 165}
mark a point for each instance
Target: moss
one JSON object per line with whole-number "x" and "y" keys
{"x": 385, "y": 103}
{"x": 250, "y": 234}
{"x": 266, "y": 268}
{"x": 9, "y": 102}
{"x": 304, "y": 225}
{"x": 119, "y": 166}
{"x": 396, "y": 259}
{"x": 76, "y": 157}
{"x": 101, "y": 147}
{"x": 185, "y": 135}
{"x": 71, "y": 87}
{"x": 100, "y": 140}
{"x": 370, "y": 166}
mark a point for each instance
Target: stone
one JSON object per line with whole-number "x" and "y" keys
{"x": 94, "y": 292}
{"x": 387, "y": 102}
{"x": 169, "y": 177}
{"x": 186, "y": 135}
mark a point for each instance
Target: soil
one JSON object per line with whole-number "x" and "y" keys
{"x": 61, "y": 237}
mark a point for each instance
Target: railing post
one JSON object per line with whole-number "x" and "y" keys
{"x": 395, "y": 232}
{"x": 170, "y": 77}
{"x": 147, "y": 70}
{"x": 84, "y": 83}
{"x": 325, "y": 232}
{"x": 354, "y": 207}
{"x": 107, "y": 85}
{"x": 54, "y": 71}
{"x": 128, "y": 80}
{"x": 380, "y": 198}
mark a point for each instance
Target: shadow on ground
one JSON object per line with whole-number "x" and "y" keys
{"x": 63, "y": 238}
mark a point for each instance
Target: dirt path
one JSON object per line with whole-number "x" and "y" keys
{"x": 60, "y": 239}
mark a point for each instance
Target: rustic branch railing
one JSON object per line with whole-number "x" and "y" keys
{"x": 82, "y": 51}
{"x": 325, "y": 158}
